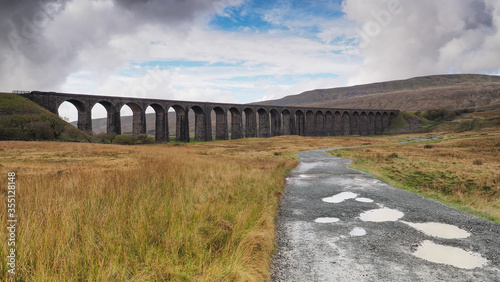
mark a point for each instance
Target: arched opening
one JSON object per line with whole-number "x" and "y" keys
{"x": 371, "y": 123}
{"x": 320, "y": 124}
{"x": 337, "y": 124}
{"x": 156, "y": 121}
{"x": 105, "y": 121}
{"x": 310, "y": 124}
{"x": 67, "y": 111}
{"x": 213, "y": 125}
{"x": 355, "y": 124}
{"x": 392, "y": 115}
{"x": 150, "y": 121}
{"x": 229, "y": 121}
{"x": 244, "y": 123}
{"x": 236, "y": 123}
{"x": 385, "y": 121}
{"x": 250, "y": 123}
{"x": 200, "y": 130}
{"x": 378, "y": 123}
{"x": 99, "y": 119}
{"x": 346, "y": 123}
{"x": 220, "y": 127}
{"x": 288, "y": 123}
{"x": 275, "y": 123}
{"x": 300, "y": 122}
{"x": 84, "y": 121}
{"x": 363, "y": 124}
{"x": 328, "y": 123}
{"x": 264, "y": 127}
{"x": 191, "y": 118}
{"x": 126, "y": 115}
{"x": 135, "y": 116}
{"x": 178, "y": 123}
{"x": 170, "y": 127}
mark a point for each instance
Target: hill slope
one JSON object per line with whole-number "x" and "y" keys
{"x": 22, "y": 119}
{"x": 452, "y": 92}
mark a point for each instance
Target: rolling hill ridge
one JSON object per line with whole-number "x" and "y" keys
{"x": 451, "y": 92}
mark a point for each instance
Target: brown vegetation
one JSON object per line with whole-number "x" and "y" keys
{"x": 460, "y": 170}
{"x": 202, "y": 211}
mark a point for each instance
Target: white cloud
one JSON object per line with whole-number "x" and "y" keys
{"x": 104, "y": 46}
{"x": 246, "y": 55}
{"x": 425, "y": 37}
{"x": 274, "y": 92}
{"x": 44, "y": 42}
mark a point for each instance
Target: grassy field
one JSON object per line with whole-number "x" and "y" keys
{"x": 181, "y": 212}
{"x": 460, "y": 169}
{"x": 206, "y": 211}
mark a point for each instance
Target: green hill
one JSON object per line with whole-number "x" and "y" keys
{"x": 22, "y": 119}
{"x": 12, "y": 104}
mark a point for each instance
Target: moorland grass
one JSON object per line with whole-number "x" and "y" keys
{"x": 461, "y": 170}
{"x": 180, "y": 212}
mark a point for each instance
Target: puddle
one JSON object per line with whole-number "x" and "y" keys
{"x": 304, "y": 175}
{"x": 441, "y": 230}
{"x": 339, "y": 198}
{"x": 381, "y": 215}
{"x": 358, "y": 231}
{"x": 305, "y": 166}
{"x": 360, "y": 179}
{"x": 307, "y": 175}
{"x": 449, "y": 255}
{"x": 326, "y": 220}
{"x": 364, "y": 200}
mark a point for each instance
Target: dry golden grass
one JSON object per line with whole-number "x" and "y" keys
{"x": 182, "y": 212}
{"x": 460, "y": 170}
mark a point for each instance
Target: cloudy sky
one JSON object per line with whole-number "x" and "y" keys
{"x": 239, "y": 51}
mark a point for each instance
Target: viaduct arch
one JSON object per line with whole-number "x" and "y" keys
{"x": 247, "y": 120}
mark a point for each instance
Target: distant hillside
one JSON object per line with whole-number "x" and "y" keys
{"x": 99, "y": 124}
{"x": 452, "y": 92}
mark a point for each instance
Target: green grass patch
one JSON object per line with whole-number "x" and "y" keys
{"x": 22, "y": 119}
{"x": 11, "y": 104}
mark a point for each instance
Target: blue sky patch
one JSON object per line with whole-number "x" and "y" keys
{"x": 262, "y": 16}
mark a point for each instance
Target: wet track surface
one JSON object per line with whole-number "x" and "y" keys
{"x": 340, "y": 224}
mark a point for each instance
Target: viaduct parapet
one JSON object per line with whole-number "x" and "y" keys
{"x": 246, "y": 120}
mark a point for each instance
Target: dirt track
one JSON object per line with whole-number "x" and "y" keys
{"x": 340, "y": 224}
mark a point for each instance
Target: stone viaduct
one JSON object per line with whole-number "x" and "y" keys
{"x": 247, "y": 120}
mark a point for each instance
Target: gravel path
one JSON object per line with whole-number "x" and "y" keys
{"x": 340, "y": 224}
